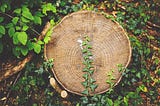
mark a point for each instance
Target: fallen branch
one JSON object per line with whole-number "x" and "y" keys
{"x": 54, "y": 84}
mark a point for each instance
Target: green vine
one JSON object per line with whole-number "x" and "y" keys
{"x": 88, "y": 70}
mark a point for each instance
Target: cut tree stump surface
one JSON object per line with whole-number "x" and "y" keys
{"x": 110, "y": 46}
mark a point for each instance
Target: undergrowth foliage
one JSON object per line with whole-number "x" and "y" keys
{"x": 22, "y": 21}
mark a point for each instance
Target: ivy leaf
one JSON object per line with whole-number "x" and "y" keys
{"x": 2, "y": 30}
{"x": 1, "y": 47}
{"x": 37, "y": 48}
{"x": 85, "y": 92}
{"x": 15, "y": 20}
{"x": 93, "y": 87}
{"x": 92, "y": 80}
{"x": 11, "y": 31}
{"x": 22, "y": 37}
{"x": 85, "y": 69}
{"x": 84, "y": 100}
{"x": 37, "y": 20}
{"x": 89, "y": 47}
{"x": 85, "y": 76}
{"x": 84, "y": 51}
{"x": 85, "y": 84}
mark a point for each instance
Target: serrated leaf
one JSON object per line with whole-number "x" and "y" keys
{"x": 15, "y": 20}
{"x": 37, "y": 20}
{"x": 22, "y": 37}
{"x": 37, "y": 48}
{"x": 85, "y": 92}
{"x": 18, "y": 11}
{"x": 24, "y": 51}
{"x": 2, "y": 30}
{"x": 11, "y": 31}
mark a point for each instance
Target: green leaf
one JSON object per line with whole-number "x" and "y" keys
{"x": 25, "y": 27}
{"x": 85, "y": 92}
{"x": 85, "y": 76}
{"x": 40, "y": 42}
{"x": 15, "y": 39}
{"x": 9, "y": 25}
{"x": 2, "y": 30}
{"x": 37, "y": 48}
{"x": 22, "y": 37}
{"x": 24, "y": 51}
{"x": 47, "y": 37}
{"x": 1, "y": 19}
{"x": 30, "y": 45}
{"x": 84, "y": 100}
{"x": 16, "y": 51}
{"x": 92, "y": 80}
{"x": 18, "y": 28}
{"x": 125, "y": 99}
{"x": 109, "y": 102}
{"x": 1, "y": 47}
{"x": 15, "y": 20}
{"x": 37, "y": 20}
{"x": 11, "y": 31}
{"x": 85, "y": 84}
{"x": 3, "y": 7}
{"x": 48, "y": 7}
{"x": 93, "y": 87}
{"x": 52, "y": 22}
{"x": 18, "y": 10}
{"x": 27, "y": 14}
{"x": 25, "y": 20}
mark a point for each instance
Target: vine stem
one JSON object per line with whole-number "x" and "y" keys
{"x": 20, "y": 22}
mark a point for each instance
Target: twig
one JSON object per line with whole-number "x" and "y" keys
{"x": 153, "y": 25}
